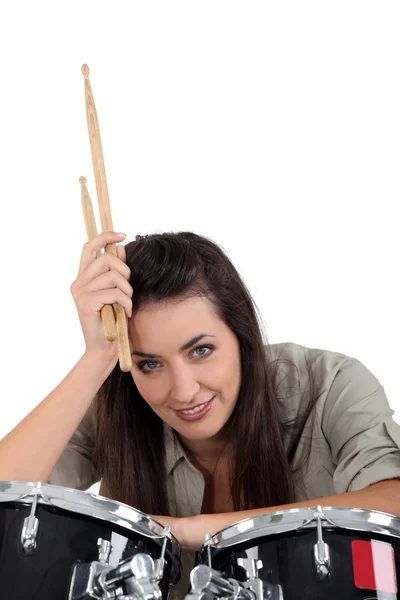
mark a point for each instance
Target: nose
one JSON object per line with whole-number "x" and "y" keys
{"x": 183, "y": 385}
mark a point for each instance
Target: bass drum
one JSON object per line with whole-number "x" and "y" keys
{"x": 310, "y": 553}
{"x": 56, "y": 541}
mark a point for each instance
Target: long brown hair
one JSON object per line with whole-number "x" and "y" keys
{"x": 129, "y": 446}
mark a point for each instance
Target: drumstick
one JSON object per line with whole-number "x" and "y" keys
{"x": 107, "y": 313}
{"x": 125, "y": 359}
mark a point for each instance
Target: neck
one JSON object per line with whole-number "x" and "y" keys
{"x": 205, "y": 454}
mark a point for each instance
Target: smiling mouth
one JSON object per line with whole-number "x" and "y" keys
{"x": 195, "y": 409}
{"x": 198, "y": 410}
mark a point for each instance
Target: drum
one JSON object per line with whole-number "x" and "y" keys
{"x": 308, "y": 553}
{"x": 58, "y": 543}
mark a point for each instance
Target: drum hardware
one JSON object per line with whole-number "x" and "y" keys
{"x": 139, "y": 575}
{"x": 208, "y": 543}
{"x": 31, "y": 525}
{"x": 105, "y": 550}
{"x": 135, "y": 575}
{"x": 322, "y": 554}
{"x": 262, "y": 590}
{"x": 160, "y": 562}
{"x": 207, "y": 584}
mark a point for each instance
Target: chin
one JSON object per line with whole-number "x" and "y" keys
{"x": 200, "y": 433}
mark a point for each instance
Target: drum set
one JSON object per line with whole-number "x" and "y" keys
{"x": 58, "y": 543}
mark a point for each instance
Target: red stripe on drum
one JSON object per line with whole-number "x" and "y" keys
{"x": 374, "y": 566}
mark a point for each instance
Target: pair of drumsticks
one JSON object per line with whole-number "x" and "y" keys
{"x": 113, "y": 317}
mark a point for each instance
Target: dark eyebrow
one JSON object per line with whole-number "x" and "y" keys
{"x": 186, "y": 346}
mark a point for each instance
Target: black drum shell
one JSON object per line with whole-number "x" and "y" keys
{"x": 288, "y": 560}
{"x": 64, "y": 538}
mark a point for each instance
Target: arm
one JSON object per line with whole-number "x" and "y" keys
{"x": 191, "y": 531}
{"x": 75, "y": 467}
{"x": 31, "y": 450}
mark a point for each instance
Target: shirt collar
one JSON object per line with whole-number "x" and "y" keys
{"x": 174, "y": 451}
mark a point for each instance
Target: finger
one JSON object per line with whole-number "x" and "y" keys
{"x": 104, "y": 263}
{"x": 95, "y": 301}
{"x": 111, "y": 279}
{"x": 90, "y": 249}
{"x": 121, "y": 253}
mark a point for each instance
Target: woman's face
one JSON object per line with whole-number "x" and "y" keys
{"x": 184, "y": 357}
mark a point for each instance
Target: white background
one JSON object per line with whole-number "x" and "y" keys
{"x": 271, "y": 127}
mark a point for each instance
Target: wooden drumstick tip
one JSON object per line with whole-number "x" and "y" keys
{"x": 85, "y": 70}
{"x": 82, "y": 180}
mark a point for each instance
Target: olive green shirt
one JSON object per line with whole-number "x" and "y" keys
{"x": 355, "y": 441}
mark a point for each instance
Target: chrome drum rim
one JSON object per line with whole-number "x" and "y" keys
{"x": 85, "y": 503}
{"x": 298, "y": 519}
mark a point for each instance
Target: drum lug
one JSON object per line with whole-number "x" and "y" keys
{"x": 322, "y": 553}
{"x": 31, "y": 526}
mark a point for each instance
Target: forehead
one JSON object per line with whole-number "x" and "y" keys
{"x": 177, "y": 320}
{"x": 174, "y": 312}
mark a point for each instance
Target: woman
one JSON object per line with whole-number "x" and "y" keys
{"x": 211, "y": 426}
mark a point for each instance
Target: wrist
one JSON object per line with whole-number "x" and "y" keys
{"x": 98, "y": 361}
{"x": 97, "y": 366}
{"x": 193, "y": 532}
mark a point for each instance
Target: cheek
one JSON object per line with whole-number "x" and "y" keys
{"x": 226, "y": 375}
{"x": 231, "y": 365}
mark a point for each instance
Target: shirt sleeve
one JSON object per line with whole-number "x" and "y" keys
{"x": 75, "y": 467}
{"x": 358, "y": 424}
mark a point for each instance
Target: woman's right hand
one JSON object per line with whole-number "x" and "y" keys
{"x": 101, "y": 280}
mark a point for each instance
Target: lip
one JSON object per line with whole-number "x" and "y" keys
{"x": 198, "y": 415}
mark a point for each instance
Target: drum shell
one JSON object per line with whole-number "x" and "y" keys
{"x": 64, "y": 538}
{"x": 288, "y": 561}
